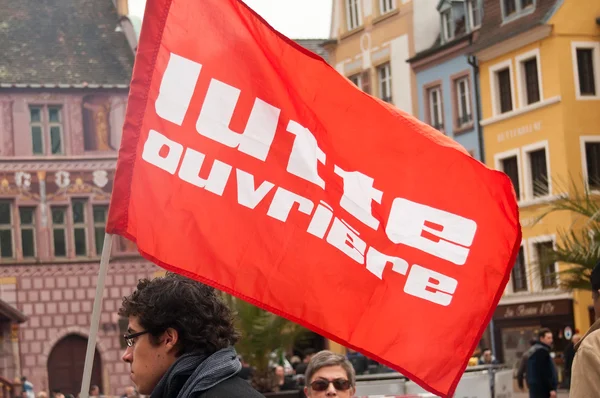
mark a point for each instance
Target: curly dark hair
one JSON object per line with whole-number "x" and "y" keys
{"x": 202, "y": 320}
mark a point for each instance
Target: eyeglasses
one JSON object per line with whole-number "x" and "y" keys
{"x": 129, "y": 337}
{"x": 338, "y": 384}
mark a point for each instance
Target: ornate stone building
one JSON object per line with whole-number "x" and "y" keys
{"x": 64, "y": 78}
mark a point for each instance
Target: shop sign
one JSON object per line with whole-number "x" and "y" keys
{"x": 519, "y": 131}
{"x": 529, "y": 310}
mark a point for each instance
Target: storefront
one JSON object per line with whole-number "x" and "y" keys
{"x": 515, "y": 325}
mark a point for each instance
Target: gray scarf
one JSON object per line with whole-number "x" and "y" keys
{"x": 193, "y": 373}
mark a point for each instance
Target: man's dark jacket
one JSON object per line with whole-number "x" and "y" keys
{"x": 541, "y": 373}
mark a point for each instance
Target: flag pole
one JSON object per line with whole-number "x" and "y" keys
{"x": 95, "y": 321}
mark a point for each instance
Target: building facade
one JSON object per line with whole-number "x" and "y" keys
{"x": 370, "y": 43}
{"x": 539, "y": 63}
{"x": 446, "y": 81}
{"x": 64, "y": 79}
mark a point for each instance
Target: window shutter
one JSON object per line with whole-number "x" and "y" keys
{"x": 366, "y": 81}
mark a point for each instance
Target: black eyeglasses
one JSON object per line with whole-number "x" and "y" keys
{"x": 129, "y": 337}
{"x": 338, "y": 384}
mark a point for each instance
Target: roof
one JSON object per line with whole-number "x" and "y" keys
{"x": 314, "y": 45}
{"x": 10, "y": 313}
{"x": 493, "y": 31}
{"x": 63, "y": 43}
{"x": 438, "y": 46}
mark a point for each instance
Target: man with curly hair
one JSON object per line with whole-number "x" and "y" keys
{"x": 180, "y": 341}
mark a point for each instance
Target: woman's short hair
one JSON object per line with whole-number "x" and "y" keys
{"x": 325, "y": 359}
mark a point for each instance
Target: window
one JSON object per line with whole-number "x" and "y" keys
{"x": 46, "y": 130}
{"x": 365, "y": 81}
{"x": 532, "y": 86}
{"x": 474, "y": 10}
{"x": 125, "y": 246}
{"x": 463, "y": 102}
{"x": 356, "y": 79}
{"x": 6, "y": 230}
{"x": 353, "y": 14}
{"x": 510, "y": 167}
{"x": 504, "y": 90}
{"x": 447, "y": 25}
{"x": 510, "y": 7}
{"x": 37, "y": 135}
{"x": 516, "y": 8}
{"x": 99, "y": 226}
{"x": 386, "y": 6}
{"x": 27, "y": 219}
{"x": 529, "y": 78}
{"x": 585, "y": 67}
{"x": 543, "y": 251}
{"x": 362, "y": 80}
{"x": 539, "y": 172}
{"x": 592, "y": 158}
{"x": 585, "y": 71}
{"x": 79, "y": 226}
{"x": 526, "y": 3}
{"x": 519, "y": 276}
{"x": 436, "y": 114}
{"x": 385, "y": 82}
{"x": 59, "y": 236}
{"x": 590, "y": 147}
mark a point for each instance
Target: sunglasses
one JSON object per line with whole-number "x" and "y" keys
{"x": 338, "y": 384}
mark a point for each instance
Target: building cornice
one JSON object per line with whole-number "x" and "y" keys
{"x": 64, "y": 85}
{"x": 531, "y": 36}
{"x": 441, "y": 52}
{"x": 441, "y": 56}
{"x": 534, "y": 297}
{"x": 76, "y": 164}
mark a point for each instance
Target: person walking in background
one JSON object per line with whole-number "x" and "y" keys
{"x": 301, "y": 367}
{"x": 247, "y": 372}
{"x": 27, "y": 387}
{"x": 94, "y": 391}
{"x": 487, "y": 358}
{"x": 130, "y": 392}
{"x": 585, "y": 372}
{"x": 283, "y": 382}
{"x": 541, "y": 373}
{"x": 359, "y": 362}
{"x": 569, "y": 354}
{"x": 523, "y": 365}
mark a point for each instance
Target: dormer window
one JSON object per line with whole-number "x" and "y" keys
{"x": 453, "y": 19}
{"x": 510, "y": 7}
{"x": 474, "y": 11}
{"x": 447, "y": 25}
{"x": 515, "y": 8}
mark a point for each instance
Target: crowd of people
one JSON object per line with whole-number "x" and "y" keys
{"x": 28, "y": 391}
{"x": 181, "y": 336}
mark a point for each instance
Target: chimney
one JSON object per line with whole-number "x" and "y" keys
{"x": 122, "y": 8}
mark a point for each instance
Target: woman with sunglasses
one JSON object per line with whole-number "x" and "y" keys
{"x": 329, "y": 375}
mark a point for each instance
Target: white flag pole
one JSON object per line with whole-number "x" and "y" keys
{"x": 91, "y": 346}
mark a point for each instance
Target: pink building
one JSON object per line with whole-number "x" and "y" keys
{"x": 64, "y": 77}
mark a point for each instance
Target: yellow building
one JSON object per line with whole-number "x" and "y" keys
{"x": 539, "y": 64}
{"x": 371, "y": 41}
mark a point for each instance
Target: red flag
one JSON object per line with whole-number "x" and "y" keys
{"x": 250, "y": 164}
